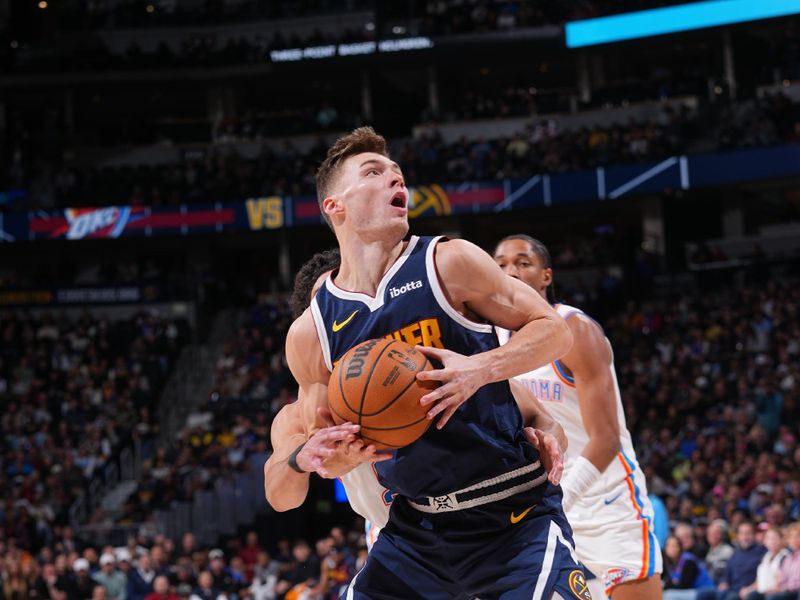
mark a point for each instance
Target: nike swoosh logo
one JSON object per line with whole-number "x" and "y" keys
{"x": 337, "y": 326}
{"x": 517, "y": 518}
{"x": 607, "y": 502}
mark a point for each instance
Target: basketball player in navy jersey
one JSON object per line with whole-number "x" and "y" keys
{"x": 474, "y": 515}
{"x": 605, "y": 493}
{"x": 352, "y": 461}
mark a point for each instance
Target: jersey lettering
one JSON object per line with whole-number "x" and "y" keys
{"x": 425, "y": 332}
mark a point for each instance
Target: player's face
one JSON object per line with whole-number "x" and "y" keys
{"x": 370, "y": 196}
{"x": 517, "y": 259}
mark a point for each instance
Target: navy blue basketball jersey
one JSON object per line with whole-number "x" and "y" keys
{"x": 484, "y": 438}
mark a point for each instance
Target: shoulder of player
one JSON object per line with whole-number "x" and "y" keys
{"x": 301, "y": 331}
{"x": 589, "y": 341}
{"x": 459, "y": 259}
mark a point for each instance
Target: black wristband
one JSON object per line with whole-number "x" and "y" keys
{"x": 293, "y": 459}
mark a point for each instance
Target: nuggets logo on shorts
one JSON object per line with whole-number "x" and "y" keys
{"x": 577, "y": 583}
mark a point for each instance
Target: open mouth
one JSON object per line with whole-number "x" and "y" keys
{"x": 399, "y": 200}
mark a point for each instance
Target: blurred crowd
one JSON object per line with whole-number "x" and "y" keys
{"x": 252, "y": 382}
{"x": 259, "y": 123}
{"x": 73, "y": 392}
{"x": 711, "y": 386}
{"x": 219, "y": 173}
{"x": 158, "y": 569}
{"x": 710, "y": 382}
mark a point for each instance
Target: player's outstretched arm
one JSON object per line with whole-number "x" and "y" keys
{"x": 590, "y": 361}
{"x": 304, "y": 438}
{"x": 475, "y": 286}
{"x": 300, "y": 439}
{"x": 542, "y": 430}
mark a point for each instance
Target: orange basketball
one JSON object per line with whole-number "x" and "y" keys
{"x": 374, "y": 385}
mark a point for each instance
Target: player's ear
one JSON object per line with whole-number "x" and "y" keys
{"x": 332, "y": 206}
{"x": 547, "y": 276}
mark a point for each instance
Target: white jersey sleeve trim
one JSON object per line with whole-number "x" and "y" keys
{"x": 566, "y": 311}
{"x": 503, "y": 335}
{"x": 441, "y": 299}
{"x": 322, "y": 334}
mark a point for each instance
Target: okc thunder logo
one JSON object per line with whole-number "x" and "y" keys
{"x": 578, "y": 585}
{"x": 614, "y": 577}
{"x": 106, "y": 222}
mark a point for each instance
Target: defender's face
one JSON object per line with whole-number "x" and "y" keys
{"x": 370, "y": 195}
{"x": 517, "y": 259}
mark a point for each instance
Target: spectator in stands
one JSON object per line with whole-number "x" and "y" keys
{"x": 188, "y": 544}
{"x": 719, "y": 551}
{"x": 81, "y": 586}
{"x": 337, "y": 571}
{"x": 686, "y": 536}
{"x": 114, "y": 581}
{"x": 265, "y": 577}
{"x": 15, "y": 585}
{"x": 767, "y": 582}
{"x": 266, "y": 567}
{"x": 743, "y": 565}
{"x": 223, "y": 581}
{"x": 48, "y": 585}
{"x": 140, "y": 579}
{"x": 158, "y": 560}
{"x": 205, "y": 589}
{"x": 249, "y": 553}
{"x": 789, "y": 576}
{"x": 683, "y": 573}
{"x": 161, "y": 590}
{"x": 302, "y": 573}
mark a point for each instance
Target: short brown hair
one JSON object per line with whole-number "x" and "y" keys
{"x": 363, "y": 139}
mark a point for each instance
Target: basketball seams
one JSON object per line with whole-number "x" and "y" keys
{"x": 418, "y": 421}
{"x": 344, "y": 395}
{"x": 400, "y": 394}
{"x": 375, "y": 363}
{"x": 338, "y": 414}
{"x": 403, "y": 405}
{"x": 377, "y": 441}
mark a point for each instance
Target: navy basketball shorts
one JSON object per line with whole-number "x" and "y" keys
{"x": 507, "y": 550}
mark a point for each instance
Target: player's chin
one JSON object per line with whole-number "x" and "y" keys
{"x": 398, "y": 225}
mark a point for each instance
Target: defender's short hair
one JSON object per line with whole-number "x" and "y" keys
{"x": 363, "y": 139}
{"x": 540, "y": 250}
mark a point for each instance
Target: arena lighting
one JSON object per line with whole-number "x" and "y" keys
{"x": 354, "y": 49}
{"x": 686, "y": 17}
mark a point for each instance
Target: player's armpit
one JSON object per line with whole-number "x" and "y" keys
{"x": 590, "y": 361}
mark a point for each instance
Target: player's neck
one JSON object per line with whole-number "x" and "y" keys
{"x": 365, "y": 263}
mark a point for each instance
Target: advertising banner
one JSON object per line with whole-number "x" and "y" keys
{"x": 436, "y": 199}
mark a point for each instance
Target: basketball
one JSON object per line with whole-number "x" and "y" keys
{"x": 374, "y": 385}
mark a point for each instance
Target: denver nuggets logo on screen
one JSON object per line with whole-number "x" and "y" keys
{"x": 578, "y": 585}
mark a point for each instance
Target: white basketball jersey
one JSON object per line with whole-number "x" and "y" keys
{"x": 366, "y": 495}
{"x": 555, "y": 387}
